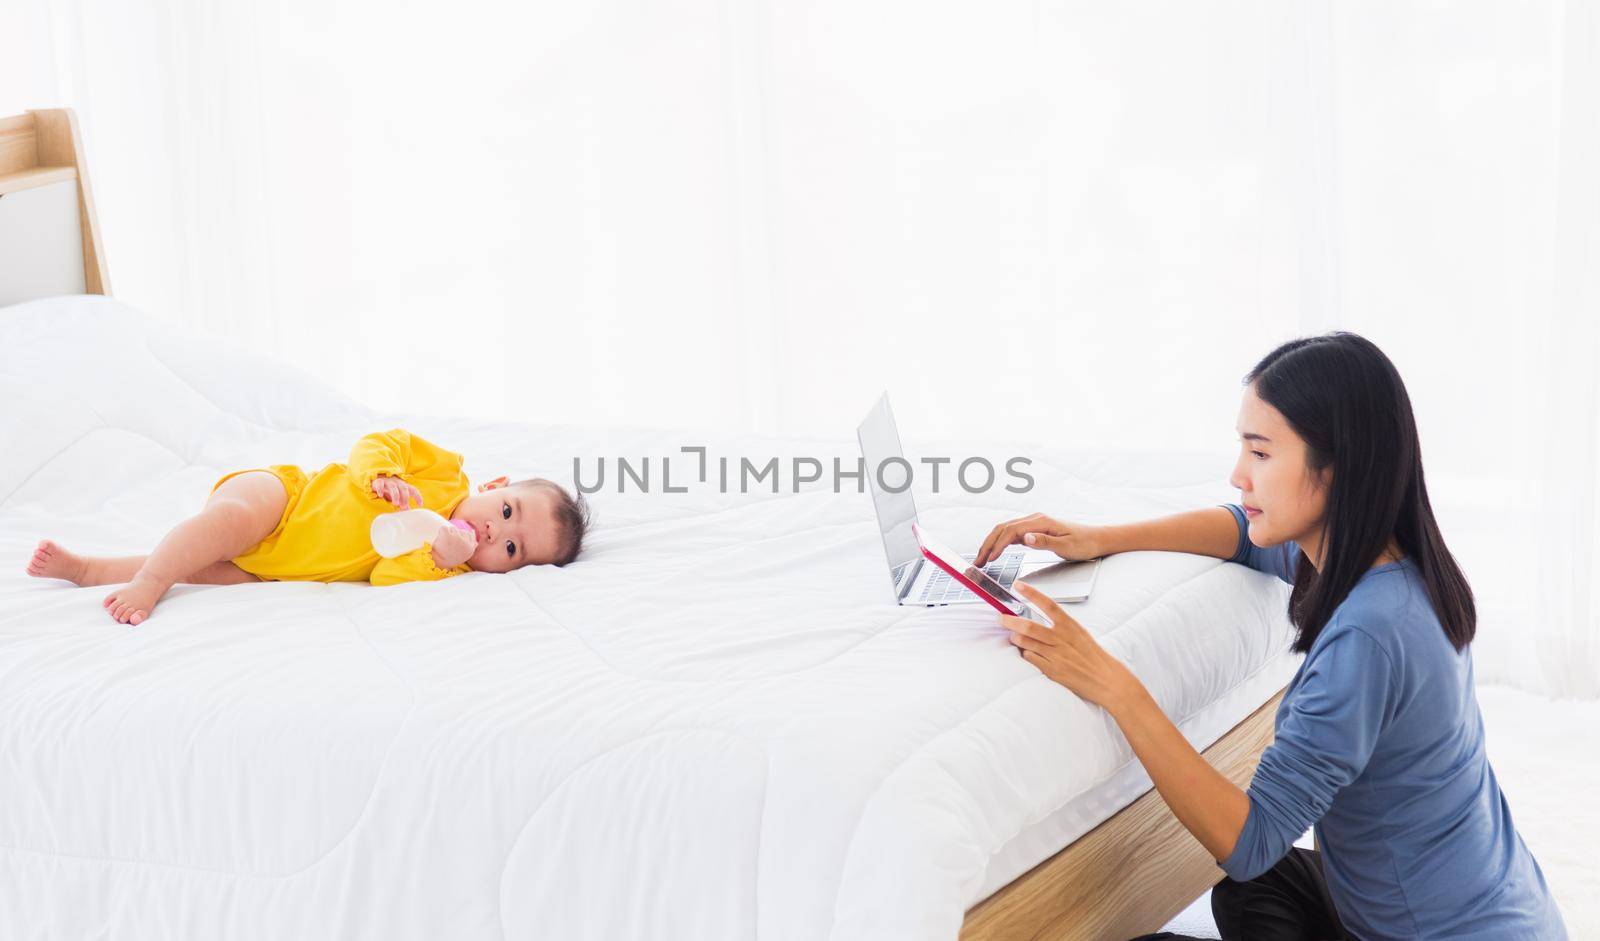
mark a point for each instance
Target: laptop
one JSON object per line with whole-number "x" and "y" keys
{"x": 918, "y": 581}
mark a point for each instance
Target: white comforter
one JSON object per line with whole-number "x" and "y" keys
{"x": 714, "y": 725}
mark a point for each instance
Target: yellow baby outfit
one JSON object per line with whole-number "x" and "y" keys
{"x": 325, "y": 533}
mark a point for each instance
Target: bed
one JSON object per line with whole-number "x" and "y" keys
{"x": 677, "y": 736}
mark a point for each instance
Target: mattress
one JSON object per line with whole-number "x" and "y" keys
{"x": 715, "y": 724}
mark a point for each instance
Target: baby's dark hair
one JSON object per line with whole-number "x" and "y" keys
{"x": 572, "y": 518}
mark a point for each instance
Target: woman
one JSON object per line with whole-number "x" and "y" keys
{"x": 1379, "y": 740}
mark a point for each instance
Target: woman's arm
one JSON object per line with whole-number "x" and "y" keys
{"x": 1210, "y": 806}
{"x": 1211, "y": 531}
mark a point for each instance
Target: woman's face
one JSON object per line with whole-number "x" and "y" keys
{"x": 1282, "y": 499}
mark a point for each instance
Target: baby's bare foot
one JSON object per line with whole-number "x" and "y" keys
{"x": 133, "y": 602}
{"x": 50, "y": 560}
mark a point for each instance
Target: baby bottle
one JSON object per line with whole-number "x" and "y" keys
{"x": 398, "y": 533}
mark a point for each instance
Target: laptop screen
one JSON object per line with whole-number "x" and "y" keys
{"x": 880, "y": 441}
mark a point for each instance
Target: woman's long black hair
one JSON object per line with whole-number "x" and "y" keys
{"x": 1345, "y": 399}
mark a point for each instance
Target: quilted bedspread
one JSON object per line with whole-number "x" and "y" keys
{"x": 714, "y": 725}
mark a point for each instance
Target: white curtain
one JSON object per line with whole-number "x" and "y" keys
{"x": 1076, "y": 222}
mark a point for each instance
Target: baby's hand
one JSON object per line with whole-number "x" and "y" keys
{"x": 452, "y": 546}
{"x": 396, "y": 491}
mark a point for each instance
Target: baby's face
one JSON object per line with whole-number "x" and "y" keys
{"x": 516, "y": 526}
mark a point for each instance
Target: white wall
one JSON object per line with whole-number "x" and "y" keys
{"x": 782, "y": 192}
{"x": 27, "y": 58}
{"x": 1077, "y": 222}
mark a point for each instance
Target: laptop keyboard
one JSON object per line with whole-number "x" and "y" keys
{"x": 942, "y": 589}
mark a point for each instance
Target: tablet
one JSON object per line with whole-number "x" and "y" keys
{"x": 976, "y": 580}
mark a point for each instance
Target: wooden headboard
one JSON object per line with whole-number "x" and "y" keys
{"x": 39, "y": 152}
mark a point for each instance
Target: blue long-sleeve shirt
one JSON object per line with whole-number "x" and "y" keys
{"x": 1379, "y": 744}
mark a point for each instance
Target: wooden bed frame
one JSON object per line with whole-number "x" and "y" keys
{"x": 1129, "y": 875}
{"x": 41, "y": 148}
{"x": 1126, "y": 877}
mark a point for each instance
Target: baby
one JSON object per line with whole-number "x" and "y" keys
{"x": 277, "y": 524}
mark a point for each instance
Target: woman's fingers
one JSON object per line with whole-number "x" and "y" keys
{"x": 1016, "y": 531}
{"x": 1039, "y": 539}
{"x": 1027, "y": 627}
{"x": 988, "y": 545}
{"x": 1041, "y": 600}
{"x": 1059, "y": 619}
{"x": 1013, "y": 534}
{"x": 1001, "y": 536}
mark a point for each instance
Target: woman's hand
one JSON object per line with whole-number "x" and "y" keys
{"x": 1074, "y": 542}
{"x": 396, "y": 491}
{"x": 1070, "y": 655}
{"x": 1212, "y": 807}
{"x": 452, "y": 546}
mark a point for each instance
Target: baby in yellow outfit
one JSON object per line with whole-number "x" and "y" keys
{"x": 278, "y": 524}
